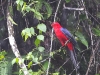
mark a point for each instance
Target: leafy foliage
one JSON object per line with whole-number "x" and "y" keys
{"x": 41, "y": 27}
{"x": 67, "y": 1}
{"x": 2, "y": 55}
{"x": 28, "y": 32}
{"x": 5, "y": 63}
{"x": 96, "y": 31}
{"x": 37, "y": 37}
{"x": 35, "y": 7}
{"x": 12, "y": 20}
{"x": 82, "y": 39}
{"x": 15, "y": 60}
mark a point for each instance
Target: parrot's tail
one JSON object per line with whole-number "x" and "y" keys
{"x": 74, "y": 59}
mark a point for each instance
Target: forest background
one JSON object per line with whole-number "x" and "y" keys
{"x": 28, "y": 45}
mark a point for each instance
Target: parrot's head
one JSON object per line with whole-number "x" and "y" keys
{"x": 56, "y": 25}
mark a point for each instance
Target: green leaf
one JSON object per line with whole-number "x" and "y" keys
{"x": 30, "y": 56}
{"x": 45, "y": 66}
{"x": 98, "y": 14}
{"x": 30, "y": 53}
{"x": 32, "y": 31}
{"x": 12, "y": 20}
{"x": 21, "y": 2}
{"x": 15, "y": 60}
{"x": 96, "y": 31}
{"x": 40, "y": 57}
{"x": 35, "y": 60}
{"x": 23, "y": 33}
{"x": 17, "y": 1}
{"x": 26, "y": 37}
{"x": 19, "y": 7}
{"x": 24, "y": 7}
{"x": 30, "y": 64}
{"x": 42, "y": 27}
{"x": 82, "y": 38}
{"x": 1, "y": 57}
{"x": 38, "y": 5}
{"x": 67, "y": 1}
{"x": 48, "y": 8}
{"x": 3, "y": 53}
{"x": 40, "y": 37}
{"x": 28, "y": 8}
{"x": 37, "y": 42}
{"x": 27, "y": 30}
{"x": 36, "y": 14}
{"x": 41, "y": 49}
{"x": 57, "y": 73}
{"x": 82, "y": 17}
{"x": 38, "y": 73}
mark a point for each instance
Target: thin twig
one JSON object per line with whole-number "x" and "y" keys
{"x": 63, "y": 64}
{"x": 66, "y": 42}
{"x": 41, "y": 61}
{"x": 50, "y": 53}
{"x": 84, "y": 9}
{"x": 70, "y": 8}
{"x": 91, "y": 35}
{"x": 75, "y": 69}
{"x": 94, "y": 18}
{"x": 56, "y": 11}
{"x": 92, "y": 57}
{"x": 47, "y": 72}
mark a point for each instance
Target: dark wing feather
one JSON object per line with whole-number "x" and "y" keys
{"x": 68, "y": 34}
{"x": 72, "y": 54}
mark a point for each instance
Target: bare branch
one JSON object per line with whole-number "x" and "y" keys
{"x": 70, "y": 8}
{"x": 57, "y": 10}
{"x": 13, "y": 43}
{"x": 47, "y": 72}
{"x": 41, "y": 61}
{"x": 92, "y": 57}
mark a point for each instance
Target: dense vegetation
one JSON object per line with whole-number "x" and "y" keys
{"x": 27, "y": 41}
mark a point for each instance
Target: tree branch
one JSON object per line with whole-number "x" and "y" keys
{"x": 92, "y": 57}
{"x": 70, "y": 8}
{"x": 13, "y": 42}
{"x": 52, "y": 38}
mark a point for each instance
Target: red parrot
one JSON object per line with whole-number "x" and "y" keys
{"x": 66, "y": 39}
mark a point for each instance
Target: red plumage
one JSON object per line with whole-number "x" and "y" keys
{"x": 65, "y": 36}
{"x": 61, "y": 36}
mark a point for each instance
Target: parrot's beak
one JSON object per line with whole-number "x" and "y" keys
{"x": 52, "y": 24}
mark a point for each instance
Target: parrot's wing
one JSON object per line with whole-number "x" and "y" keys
{"x": 72, "y": 53}
{"x": 68, "y": 34}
